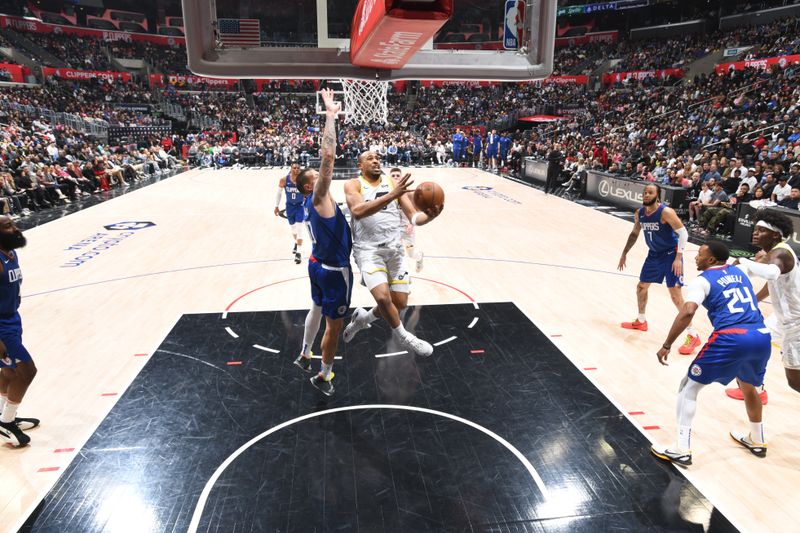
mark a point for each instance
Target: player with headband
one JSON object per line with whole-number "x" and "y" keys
{"x": 777, "y": 263}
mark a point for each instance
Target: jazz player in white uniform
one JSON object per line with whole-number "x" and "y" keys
{"x": 778, "y": 265}
{"x": 408, "y": 232}
{"x": 375, "y": 202}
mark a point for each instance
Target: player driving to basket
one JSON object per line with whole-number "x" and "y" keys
{"x": 375, "y": 202}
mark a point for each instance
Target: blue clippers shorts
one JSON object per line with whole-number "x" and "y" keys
{"x": 11, "y": 335}
{"x": 331, "y": 287}
{"x": 657, "y": 268}
{"x": 733, "y": 353}
{"x": 294, "y": 213}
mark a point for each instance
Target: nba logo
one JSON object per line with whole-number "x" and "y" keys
{"x": 514, "y": 24}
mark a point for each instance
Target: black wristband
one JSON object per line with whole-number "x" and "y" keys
{"x": 666, "y": 347}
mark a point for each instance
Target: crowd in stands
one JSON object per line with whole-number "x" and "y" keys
{"x": 739, "y": 127}
{"x": 579, "y": 59}
{"x": 662, "y": 53}
{"x": 727, "y": 128}
{"x": 96, "y": 98}
{"x": 42, "y": 166}
{"x": 167, "y": 59}
{"x": 72, "y": 50}
{"x": 772, "y": 40}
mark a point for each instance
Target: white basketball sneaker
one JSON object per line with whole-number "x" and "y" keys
{"x": 416, "y": 345}
{"x": 357, "y": 322}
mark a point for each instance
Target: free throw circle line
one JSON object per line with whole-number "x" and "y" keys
{"x": 201, "y": 502}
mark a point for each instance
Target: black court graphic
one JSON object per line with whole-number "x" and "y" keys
{"x": 497, "y": 431}
{"x": 129, "y": 226}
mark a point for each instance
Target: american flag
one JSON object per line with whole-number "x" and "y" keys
{"x": 239, "y": 32}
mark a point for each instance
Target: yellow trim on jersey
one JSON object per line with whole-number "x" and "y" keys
{"x": 380, "y": 269}
{"x": 783, "y": 245}
{"x": 399, "y": 282}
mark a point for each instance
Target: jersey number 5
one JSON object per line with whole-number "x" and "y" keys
{"x": 739, "y": 295}
{"x": 378, "y": 195}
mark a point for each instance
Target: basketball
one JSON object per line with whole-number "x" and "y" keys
{"x": 427, "y": 195}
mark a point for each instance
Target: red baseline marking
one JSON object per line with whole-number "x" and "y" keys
{"x": 590, "y": 368}
{"x": 231, "y": 363}
{"x": 556, "y": 335}
{"x": 476, "y": 351}
{"x": 448, "y": 286}
{"x": 651, "y": 427}
{"x": 248, "y": 293}
{"x": 141, "y": 354}
{"x": 63, "y": 450}
{"x": 634, "y": 413}
{"x": 49, "y": 469}
{"x": 109, "y": 394}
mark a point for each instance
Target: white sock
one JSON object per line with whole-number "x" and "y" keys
{"x": 372, "y": 316}
{"x": 686, "y": 409}
{"x": 691, "y": 331}
{"x": 313, "y": 321}
{"x": 757, "y": 432}
{"x": 642, "y": 318}
{"x": 3, "y": 400}
{"x": 9, "y": 412}
{"x": 325, "y": 371}
{"x": 399, "y": 331}
{"x": 685, "y": 438}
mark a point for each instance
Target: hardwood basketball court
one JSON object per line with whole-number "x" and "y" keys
{"x": 107, "y": 287}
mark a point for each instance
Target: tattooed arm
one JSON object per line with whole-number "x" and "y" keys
{"x": 322, "y": 198}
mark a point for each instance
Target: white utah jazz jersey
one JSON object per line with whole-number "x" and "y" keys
{"x": 381, "y": 228}
{"x": 784, "y": 293}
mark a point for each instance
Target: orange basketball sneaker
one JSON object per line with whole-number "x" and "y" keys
{"x": 691, "y": 342}
{"x": 641, "y": 326}
{"x": 736, "y": 394}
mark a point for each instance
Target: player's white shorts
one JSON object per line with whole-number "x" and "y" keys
{"x": 789, "y": 339}
{"x": 383, "y": 265}
{"x": 790, "y": 346}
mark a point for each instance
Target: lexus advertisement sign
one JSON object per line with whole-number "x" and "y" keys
{"x": 625, "y": 192}
{"x": 621, "y": 192}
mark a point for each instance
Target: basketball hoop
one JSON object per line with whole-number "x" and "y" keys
{"x": 365, "y": 101}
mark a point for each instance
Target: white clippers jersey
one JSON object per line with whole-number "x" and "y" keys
{"x": 381, "y": 228}
{"x": 784, "y": 293}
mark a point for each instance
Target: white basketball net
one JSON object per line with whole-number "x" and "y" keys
{"x": 365, "y": 101}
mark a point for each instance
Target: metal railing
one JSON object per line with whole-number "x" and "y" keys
{"x": 172, "y": 109}
{"x": 89, "y": 126}
{"x": 747, "y": 135}
{"x": 201, "y": 121}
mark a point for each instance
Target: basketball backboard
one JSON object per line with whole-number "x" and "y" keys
{"x": 309, "y": 39}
